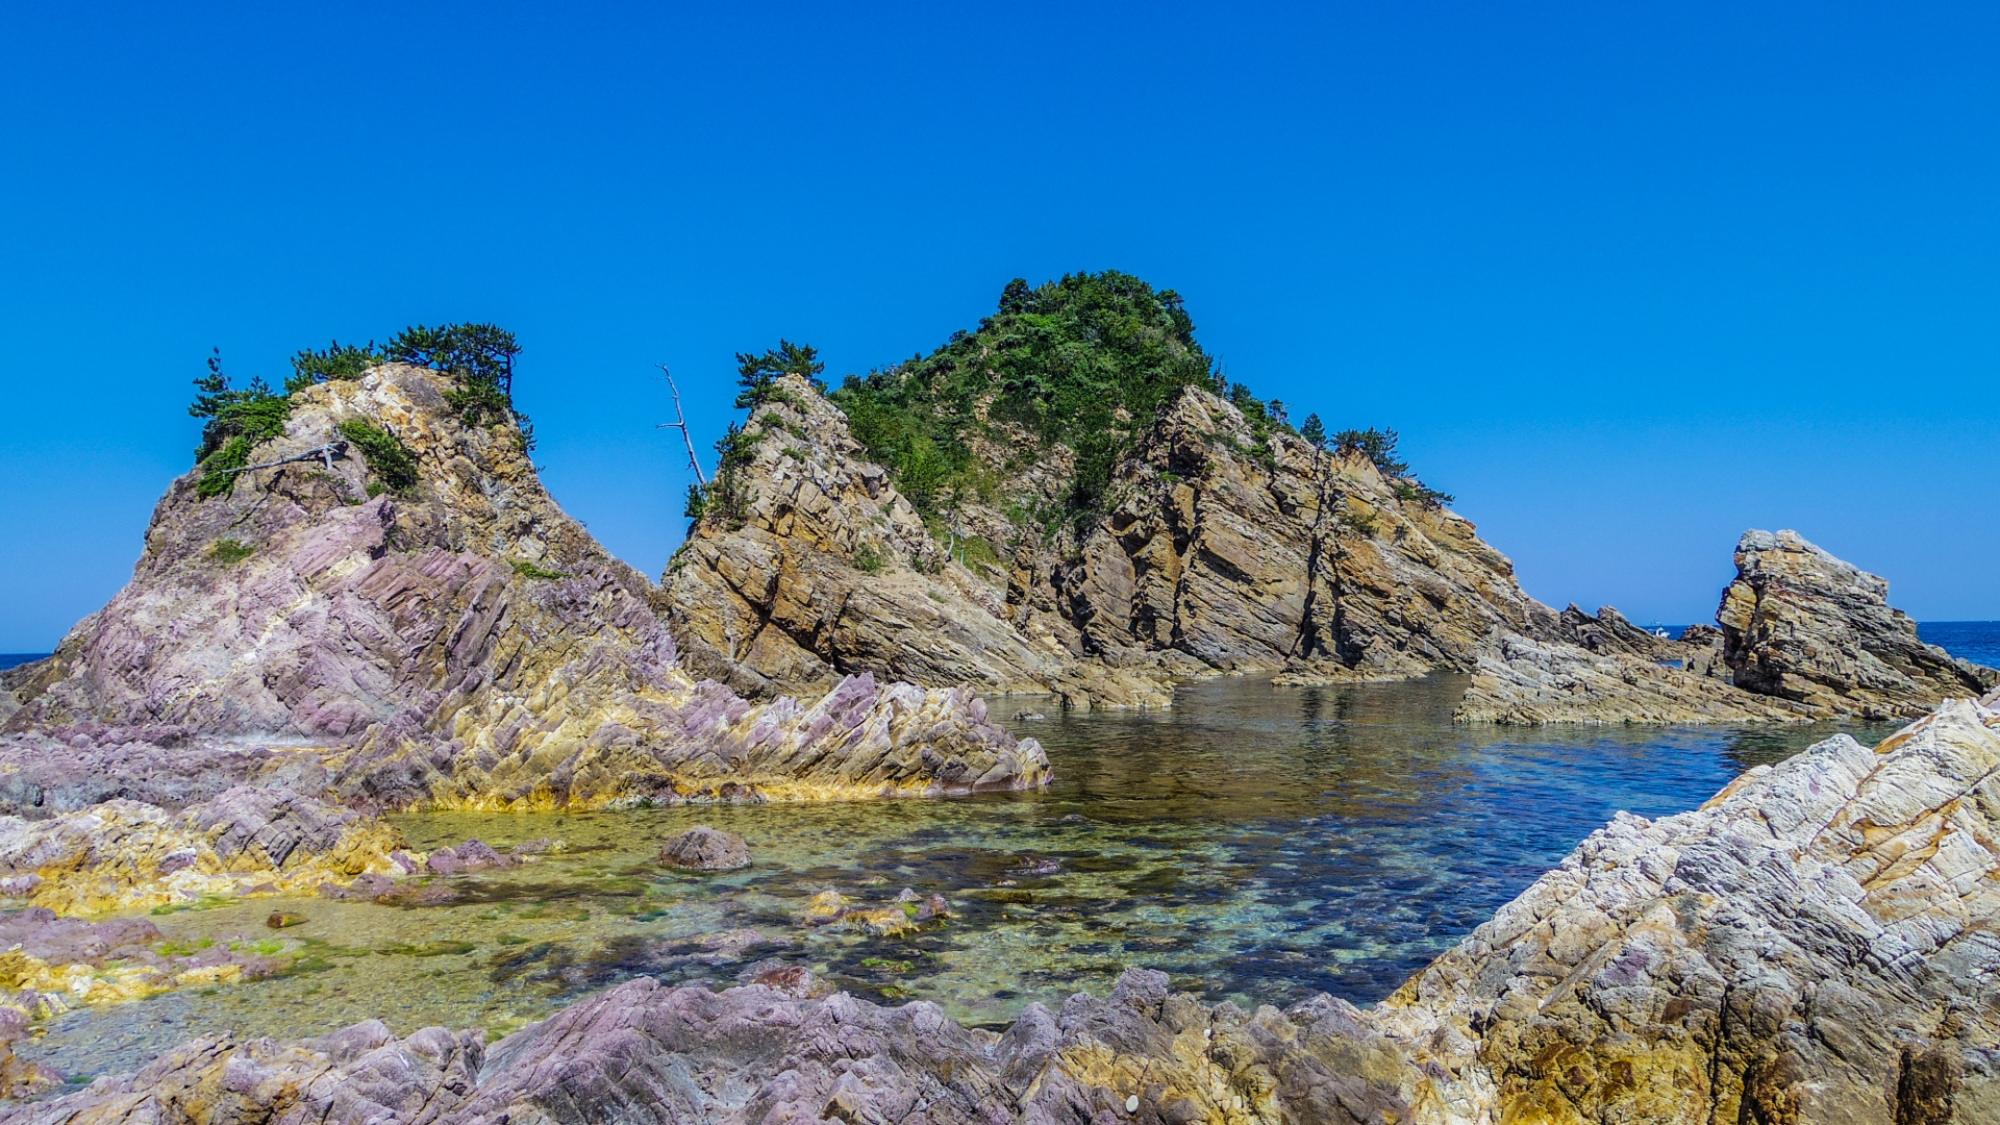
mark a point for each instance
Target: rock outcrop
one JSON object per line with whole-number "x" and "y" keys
{"x": 125, "y": 855}
{"x": 1802, "y": 625}
{"x": 829, "y": 571}
{"x": 1525, "y": 681}
{"x": 463, "y": 643}
{"x": 1815, "y": 944}
{"x": 1226, "y": 549}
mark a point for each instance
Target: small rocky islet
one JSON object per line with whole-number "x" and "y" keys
{"x": 386, "y": 614}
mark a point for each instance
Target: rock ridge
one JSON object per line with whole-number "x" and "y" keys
{"x": 1225, "y": 549}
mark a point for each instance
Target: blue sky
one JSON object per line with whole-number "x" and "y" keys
{"x": 1627, "y": 283}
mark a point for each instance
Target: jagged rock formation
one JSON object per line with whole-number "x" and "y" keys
{"x": 646, "y": 1053}
{"x": 830, "y": 571}
{"x": 1800, "y": 624}
{"x": 1813, "y": 945}
{"x": 464, "y": 644}
{"x": 1224, "y": 550}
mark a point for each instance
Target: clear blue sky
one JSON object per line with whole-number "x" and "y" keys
{"x": 1627, "y": 283}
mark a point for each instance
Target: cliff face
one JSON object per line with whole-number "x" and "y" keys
{"x": 1214, "y": 558}
{"x": 829, "y": 571}
{"x": 1802, "y": 625}
{"x": 1222, "y": 550}
{"x": 464, "y": 643}
{"x": 1812, "y": 945}
{"x": 1221, "y": 554}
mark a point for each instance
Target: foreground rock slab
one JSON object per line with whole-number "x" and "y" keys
{"x": 1817, "y": 944}
{"x": 647, "y": 1053}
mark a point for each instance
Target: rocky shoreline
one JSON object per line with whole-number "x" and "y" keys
{"x": 1810, "y": 946}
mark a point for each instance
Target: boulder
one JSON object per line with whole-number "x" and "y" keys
{"x": 702, "y": 848}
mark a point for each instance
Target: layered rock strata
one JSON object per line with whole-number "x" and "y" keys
{"x": 1815, "y": 944}
{"x": 1801, "y": 625}
{"x": 126, "y": 855}
{"x": 1224, "y": 550}
{"x": 462, "y": 644}
{"x": 1523, "y": 681}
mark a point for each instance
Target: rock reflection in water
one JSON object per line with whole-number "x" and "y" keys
{"x": 1258, "y": 843}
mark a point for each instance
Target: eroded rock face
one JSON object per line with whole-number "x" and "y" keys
{"x": 1221, "y": 553}
{"x": 830, "y": 571}
{"x": 1800, "y": 624}
{"x": 466, "y": 645}
{"x": 1814, "y": 945}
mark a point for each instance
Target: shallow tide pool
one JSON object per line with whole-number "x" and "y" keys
{"x": 1258, "y": 843}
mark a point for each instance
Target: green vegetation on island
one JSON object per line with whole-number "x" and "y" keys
{"x": 478, "y": 357}
{"x": 1086, "y": 362}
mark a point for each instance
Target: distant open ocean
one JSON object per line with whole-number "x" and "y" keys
{"x": 1977, "y": 641}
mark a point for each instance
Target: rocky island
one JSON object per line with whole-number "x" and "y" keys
{"x": 362, "y": 602}
{"x": 1100, "y": 530}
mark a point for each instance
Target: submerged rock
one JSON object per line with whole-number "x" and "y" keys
{"x": 50, "y": 965}
{"x": 471, "y": 856}
{"x": 1812, "y": 945}
{"x": 907, "y": 913}
{"x": 702, "y": 848}
{"x": 1802, "y": 625}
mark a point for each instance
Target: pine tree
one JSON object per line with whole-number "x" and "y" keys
{"x": 757, "y": 373}
{"x": 212, "y": 391}
{"x": 1314, "y": 431}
